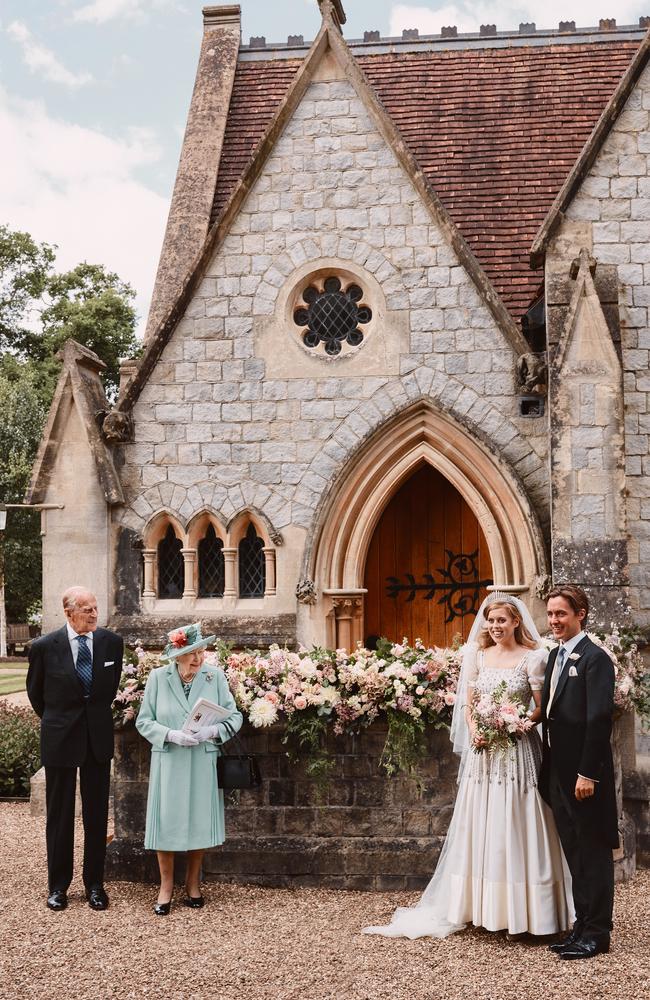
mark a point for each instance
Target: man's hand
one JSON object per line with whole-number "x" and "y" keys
{"x": 584, "y": 788}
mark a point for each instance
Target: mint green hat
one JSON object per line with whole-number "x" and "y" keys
{"x": 185, "y": 639}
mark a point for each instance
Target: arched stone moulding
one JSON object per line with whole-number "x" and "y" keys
{"x": 348, "y": 519}
{"x": 154, "y": 532}
{"x": 189, "y": 535}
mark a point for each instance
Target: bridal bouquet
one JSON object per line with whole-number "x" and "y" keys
{"x": 499, "y": 720}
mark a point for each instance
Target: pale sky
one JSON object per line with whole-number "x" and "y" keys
{"x": 94, "y": 96}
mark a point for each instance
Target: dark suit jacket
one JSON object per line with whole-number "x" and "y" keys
{"x": 576, "y": 737}
{"x": 71, "y": 723}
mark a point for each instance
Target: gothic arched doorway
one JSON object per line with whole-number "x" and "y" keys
{"x": 428, "y": 564}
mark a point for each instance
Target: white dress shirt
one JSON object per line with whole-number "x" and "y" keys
{"x": 74, "y": 644}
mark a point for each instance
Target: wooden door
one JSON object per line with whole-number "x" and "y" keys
{"x": 428, "y": 565}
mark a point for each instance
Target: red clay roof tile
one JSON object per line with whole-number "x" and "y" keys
{"x": 495, "y": 130}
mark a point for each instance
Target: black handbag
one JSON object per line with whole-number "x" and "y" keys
{"x": 238, "y": 770}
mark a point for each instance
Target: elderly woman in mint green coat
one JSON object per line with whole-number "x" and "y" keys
{"x": 185, "y": 805}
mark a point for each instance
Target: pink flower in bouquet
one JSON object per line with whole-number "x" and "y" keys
{"x": 449, "y": 698}
{"x": 272, "y": 697}
{"x": 300, "y": 702}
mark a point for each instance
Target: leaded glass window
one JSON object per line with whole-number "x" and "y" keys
{"x": 333, "y": 316}
{"x": 212, "y": 573}
{"x": 170, "y": 566}
{"x": 252, "y": 570}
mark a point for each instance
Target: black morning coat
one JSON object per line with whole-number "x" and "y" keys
{"x": 69, "y": 721}
{"x": 576, "y": 737}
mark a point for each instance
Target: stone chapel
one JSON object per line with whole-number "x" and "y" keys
{"x": 397, "y": 351}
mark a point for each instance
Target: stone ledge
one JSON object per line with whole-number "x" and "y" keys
{"x": 256, "y": 633}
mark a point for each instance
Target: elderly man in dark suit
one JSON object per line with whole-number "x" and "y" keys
{"x": 71, "y": 682}
{"x": 577, "y": 775}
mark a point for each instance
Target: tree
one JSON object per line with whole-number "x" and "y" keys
{"x": 40, "y": 310}
{"x": 25, "y": 267}
{"x": 23, "y": 415}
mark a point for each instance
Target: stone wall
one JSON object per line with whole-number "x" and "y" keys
{"x": 239, "y": 413}
{"x": 611, "y": 217}
{"x": 364, "y": 831}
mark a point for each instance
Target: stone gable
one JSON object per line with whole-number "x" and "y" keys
{"x": 237, "y": 413}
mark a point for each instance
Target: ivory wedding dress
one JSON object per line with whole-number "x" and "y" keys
{"x": 501, "y": 866}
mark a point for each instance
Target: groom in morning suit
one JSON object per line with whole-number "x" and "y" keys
{"x": 577, "y": 775}
{"x": 71, "y": 682}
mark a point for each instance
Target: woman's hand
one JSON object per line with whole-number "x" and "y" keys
{"x": 181, "y": 739}
{"x": 206, "y": 733}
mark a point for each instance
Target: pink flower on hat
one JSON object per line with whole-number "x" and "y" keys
{"x": 178, "y": 638}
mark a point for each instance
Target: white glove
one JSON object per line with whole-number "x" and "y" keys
{"x": 181, "y": 739}
{"x": 206, "y": 733}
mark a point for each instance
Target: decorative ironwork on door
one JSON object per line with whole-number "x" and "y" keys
{"x": 460, "y": 585}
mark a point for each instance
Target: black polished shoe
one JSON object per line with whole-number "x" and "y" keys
{"x": 570, "y": 938}
{"x": 585, "y": 947}
{"x": 162, "y": 909}
{"x": 194, "y": 902}
{"x": 57, "y": 900}
{"x": 97, "y": 898}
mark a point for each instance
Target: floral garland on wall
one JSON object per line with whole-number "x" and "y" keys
{"x": 314, "y": 691}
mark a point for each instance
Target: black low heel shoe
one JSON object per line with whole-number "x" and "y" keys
{"x": 194, "y": 902}
{"x": 162, "y": 909}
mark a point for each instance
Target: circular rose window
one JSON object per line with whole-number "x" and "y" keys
{"x": 332, "y": 316}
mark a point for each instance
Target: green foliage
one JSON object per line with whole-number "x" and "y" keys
{"x": 40, "y": 310}
{"x": 23, "y": 415}
{"x": 306, "y": 739}
{"x": 20, "y": 755}
{"x": 404, "y": 746}
{"x": 94, "y": 307}
{"x": 24, "y": 270}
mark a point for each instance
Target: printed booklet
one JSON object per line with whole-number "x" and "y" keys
{"x": 205, "y": 713}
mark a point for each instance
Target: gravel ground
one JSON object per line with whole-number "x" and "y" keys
{"x": 270, "y": 944}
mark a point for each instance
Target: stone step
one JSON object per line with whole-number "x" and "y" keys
{"x": 342, "y": 858}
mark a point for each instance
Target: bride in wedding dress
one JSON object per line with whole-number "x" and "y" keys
{"x": 501, "y": 866}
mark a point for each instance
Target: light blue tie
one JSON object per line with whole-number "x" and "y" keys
{"x": 558, "y": 667}
{"x": 84, "y": 664}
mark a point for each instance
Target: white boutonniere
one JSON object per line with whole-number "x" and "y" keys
{"x": 573, "y": 656}
{"x": 572, "y": 671}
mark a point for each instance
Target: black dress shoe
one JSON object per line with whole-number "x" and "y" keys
{"x": 585, "y": 947}
{"x": 194, "y": 902}
{"x": 162, "y": 909}
{"x": 559, "y": 946}
{"x": 57, "y": 900}
{"x": 97, "y": 898}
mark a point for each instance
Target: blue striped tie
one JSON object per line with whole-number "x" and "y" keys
{"x": 84, "y": 664}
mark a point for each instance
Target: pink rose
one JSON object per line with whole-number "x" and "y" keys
{"x": 178, "y": 639}
{"x": 300, "y": 702}
{"x": 450, "y": 698}
{"x": 272, "y": 697}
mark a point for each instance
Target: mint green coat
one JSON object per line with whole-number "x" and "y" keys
{"x": 184, "y": 805}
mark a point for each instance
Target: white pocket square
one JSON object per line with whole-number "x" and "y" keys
{"x": 573, "y": 672}
{"x": 109, "y": 663}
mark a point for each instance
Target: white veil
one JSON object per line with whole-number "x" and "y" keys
{"x": 429, "y": 916}
{"x": 459, "y": 732}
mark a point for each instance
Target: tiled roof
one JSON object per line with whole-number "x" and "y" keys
{"x": 495, "y": 130}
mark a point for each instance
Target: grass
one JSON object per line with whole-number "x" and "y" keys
{"x": 12, "y": 677}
